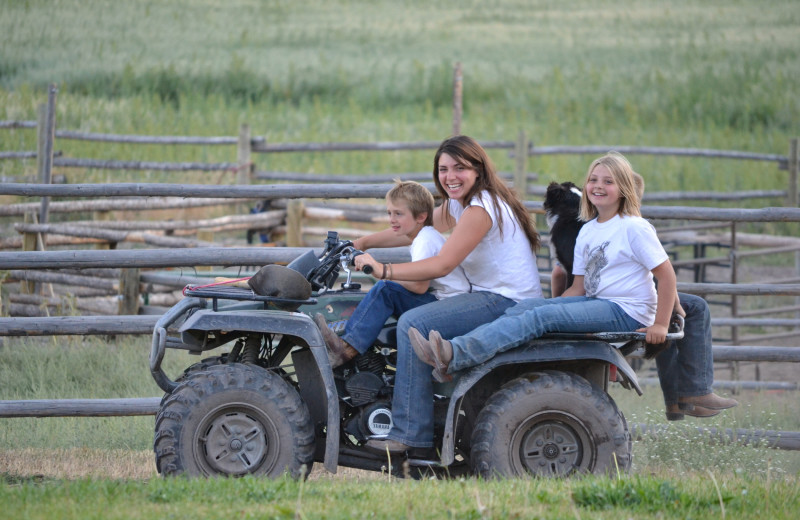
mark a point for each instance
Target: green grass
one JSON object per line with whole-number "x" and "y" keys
{"x": 92, "y": 367}
{"x": 717, "y": 74}
{"x": 712, "y": 75}
{"x": 696, "y": 496}
{"x": 67, "y": 367}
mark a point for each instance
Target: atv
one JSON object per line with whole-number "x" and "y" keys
{"x": 271, "y": 404}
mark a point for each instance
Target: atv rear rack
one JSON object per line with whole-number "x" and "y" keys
{"x": 239, "y": 293}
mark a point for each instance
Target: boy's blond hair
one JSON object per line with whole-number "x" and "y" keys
{"x": 416, "y": 196}
{"x": 624, "y": 177}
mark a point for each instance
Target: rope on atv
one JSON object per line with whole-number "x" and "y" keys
{"x": 225, "y": 282}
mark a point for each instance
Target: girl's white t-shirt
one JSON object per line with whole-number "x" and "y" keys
{"x": 616, "y": 259}
{"x": 428, "y": 243}
{"x": 501, "y": 263}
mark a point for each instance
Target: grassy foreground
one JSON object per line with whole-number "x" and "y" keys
{"x": 697, "y": 496}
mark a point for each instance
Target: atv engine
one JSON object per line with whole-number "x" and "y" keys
{"x": 368, "y": 388}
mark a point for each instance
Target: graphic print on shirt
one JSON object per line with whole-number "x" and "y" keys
{"x": 597, "y": 261}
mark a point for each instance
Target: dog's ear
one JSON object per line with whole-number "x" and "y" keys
{"x": 555, "y": 194}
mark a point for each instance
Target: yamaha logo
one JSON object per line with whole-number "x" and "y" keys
{"x": 380, "y": 421}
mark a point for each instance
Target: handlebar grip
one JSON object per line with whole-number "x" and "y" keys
{"x": 367, "y": 269}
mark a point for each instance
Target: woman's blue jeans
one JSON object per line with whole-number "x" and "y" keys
{"x": 412, "y": 403}
{"x": 687, "y": 368}
{"x": 384, "y": 300}
{"x": 533, "y": 318}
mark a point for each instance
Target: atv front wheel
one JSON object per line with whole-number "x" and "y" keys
{"x": 550, "y": 424}
{"x": 234, "y": 420}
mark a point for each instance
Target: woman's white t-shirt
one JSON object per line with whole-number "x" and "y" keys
{"x": 501, "y": 263}
{"x": 616, "y": 259}
{"x": 428, "y": 243}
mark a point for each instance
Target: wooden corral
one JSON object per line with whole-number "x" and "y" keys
{"x": 118, "y": 269}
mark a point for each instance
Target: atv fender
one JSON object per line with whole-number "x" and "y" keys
{"x": 538, "y": 351}
{"x": 294, "y": 324}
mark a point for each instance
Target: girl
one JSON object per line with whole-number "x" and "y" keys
{"x": 493, "y": 239}
{"x": 617, "y": 254}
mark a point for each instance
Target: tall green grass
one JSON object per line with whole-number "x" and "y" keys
{"x": 68, "y": 367}
{"x": 711, "y": 75}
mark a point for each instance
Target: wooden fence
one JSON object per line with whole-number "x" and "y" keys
{"x": 185, "y": 253}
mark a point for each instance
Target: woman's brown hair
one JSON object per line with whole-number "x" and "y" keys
{"x": 467, "y": 151}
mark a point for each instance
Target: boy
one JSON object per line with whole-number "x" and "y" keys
{"x": 410, "y": 207}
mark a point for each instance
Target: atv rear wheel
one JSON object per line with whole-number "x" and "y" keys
{"x": 550, "y": 424}
{"x": 234, "y": 420}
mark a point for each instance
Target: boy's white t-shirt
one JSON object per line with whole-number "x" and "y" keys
{"x": 500, "y": 263}
{"x": 616, "y": 259}
{"x": 428, "y": 243}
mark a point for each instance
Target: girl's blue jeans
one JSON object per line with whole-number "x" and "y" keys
{"x": 533, "y": 318}
{"x": 412, "y": 403}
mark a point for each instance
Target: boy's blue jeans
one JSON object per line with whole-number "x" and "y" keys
{"x": 384, "y": 300}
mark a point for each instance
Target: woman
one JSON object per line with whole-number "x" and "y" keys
{"x": 493, "y": 239}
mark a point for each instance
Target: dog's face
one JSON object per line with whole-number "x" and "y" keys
{"x": 564, "y": 195}
{"x": 561, "y": 198}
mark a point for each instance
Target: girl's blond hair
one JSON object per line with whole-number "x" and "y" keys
{"x": 624, "y": 176}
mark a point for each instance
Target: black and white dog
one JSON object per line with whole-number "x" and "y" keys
{"x": 562, "y": 204}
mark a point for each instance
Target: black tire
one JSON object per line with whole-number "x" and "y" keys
{"x": 550, "y": 424}
{"x": 203, "y": 364}
{"x": 234, "y": 420}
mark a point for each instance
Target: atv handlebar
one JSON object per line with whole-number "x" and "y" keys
{"x": 367, "y": 269}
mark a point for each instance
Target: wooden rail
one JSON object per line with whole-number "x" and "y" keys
{"x": 783, "y": 440}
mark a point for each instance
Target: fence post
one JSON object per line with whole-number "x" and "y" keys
{"x": 205, "y": 235}
{"x": 28, "y": 244}
{"x": 46, "y": 130}
{"x": 128, "y": 292}
{"x": 294, "y": 223}
{"x": 458, "y": 89}
{"x": 100, "y": 216}
{"x": 243, "y": 174}
{"x": 245, "y": 168}
{"x": 734, "y": 298}
{"x": 521, "y": 166}
{"x": 793, "y": 199}
{"x": 792, "y": 194}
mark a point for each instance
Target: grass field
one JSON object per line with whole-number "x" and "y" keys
{"x": 93, "y": 368}
{"x": 104, "y": 467}
{"x": 717, "y": 74}
{"x": 712, "y": 75}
